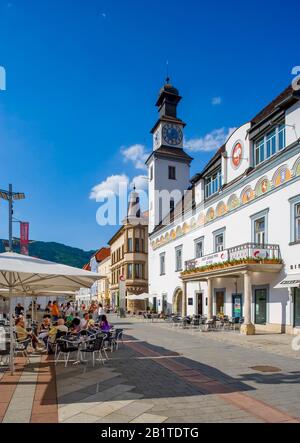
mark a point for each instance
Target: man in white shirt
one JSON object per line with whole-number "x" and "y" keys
{"x": 101, "y": 312}
{"x": 69, "y": 310}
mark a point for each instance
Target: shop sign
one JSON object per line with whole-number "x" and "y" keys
{"x": 211, "y": 259}
{"x": 249, "y": 253}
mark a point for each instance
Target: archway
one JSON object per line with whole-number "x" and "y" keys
{"x": 177, "y": 301}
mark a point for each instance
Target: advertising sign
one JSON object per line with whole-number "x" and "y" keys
{"x": 24, "y": 238}
{"x": 217, "y": 257}
{"x": 249, "y": 252}
{"x": 237, "y": 305}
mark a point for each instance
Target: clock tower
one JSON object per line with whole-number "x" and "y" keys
{"x": 169, "y": 164}
{"x": 168, "y": 130}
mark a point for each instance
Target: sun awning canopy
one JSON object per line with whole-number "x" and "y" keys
{"x": 137, "y": 297}
{"x": 30, "y": 274}
{"x": 290, "y": 281}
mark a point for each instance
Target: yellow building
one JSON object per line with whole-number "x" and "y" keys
{"x": 129, "y": 256}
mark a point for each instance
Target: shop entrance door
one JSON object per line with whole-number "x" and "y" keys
{"x": 261, "y": 306}
{"x": 199, "y": 303}
{"x": 297, "y": 308}
{"x": 220, "y": 299}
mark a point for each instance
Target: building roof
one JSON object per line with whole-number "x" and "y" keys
{"x": 102, "y": 254}
{"x": 167, "y": 152}
{"x": 87, "y": 267}
{"x": 210, "y": 164}
{"x": 283, "y": 100}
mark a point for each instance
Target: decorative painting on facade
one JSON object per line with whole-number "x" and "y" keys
{"x": 262, "y": 187}
{"x": 282, "y": 175}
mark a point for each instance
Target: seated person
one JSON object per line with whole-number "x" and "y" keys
{"x": 75, "y": 326}
{"x": 43, "y": 329}
{"x": 22, "y": 334}
{"x": 104, "y": 325}
{"x": 52, "y": 334}
{"x": 87, "y": 322}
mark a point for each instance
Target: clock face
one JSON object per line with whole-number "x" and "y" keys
{"x": 172, "y": 134}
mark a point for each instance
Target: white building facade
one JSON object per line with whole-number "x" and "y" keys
{"x": 231, "y": 246}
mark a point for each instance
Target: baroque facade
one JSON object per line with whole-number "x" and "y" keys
{"x": 227, "y": 241}
{"x": 129, "y": 256}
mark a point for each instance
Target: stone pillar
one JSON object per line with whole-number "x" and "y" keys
{"x": 184, "y": 299}
{"x": 247, "y": 328}
{"x": 209, "y": 299}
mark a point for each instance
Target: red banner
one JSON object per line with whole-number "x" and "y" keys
{"x": 24, "y": 238}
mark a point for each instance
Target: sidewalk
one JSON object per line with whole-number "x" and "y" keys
{"x": 160, "y": 375}
{"x": 280, "y": 344}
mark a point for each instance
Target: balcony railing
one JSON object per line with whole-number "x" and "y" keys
{"x": 246, "y": 250}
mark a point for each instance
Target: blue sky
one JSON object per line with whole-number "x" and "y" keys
{"x": 83, "y": 78}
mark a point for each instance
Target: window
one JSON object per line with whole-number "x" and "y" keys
{"x": 142, "y": 245}
{"x": 162, "y": 260}
{"x": 172, "y": 173}
{"x": 129, "y": 271}
{"x": 260, "y": 227}
{"x": 137, "y": 245}
{"x": 172, "y": 205}
{"x": 151, "y": 173}
{"x": 219, "y": 243}
{"x": 297, "y": 222}
{"x": 178, "y": 258}
{"x": 259, "y": 231}
{"x": 268, "y": 145}
{"x": 129, "y": 245}
{"x": 213, "y": 183}
{"x": 199, "y": 247}
{"x": 138, "y": 270}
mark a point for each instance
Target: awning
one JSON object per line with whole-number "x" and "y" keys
{"x": 290, "y": 281}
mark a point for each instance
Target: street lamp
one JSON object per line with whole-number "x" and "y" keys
{"x": 10, "y": 196}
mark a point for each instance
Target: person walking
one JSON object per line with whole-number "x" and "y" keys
{"x": 54, "y": 312}
{"x": 101, "y": 312}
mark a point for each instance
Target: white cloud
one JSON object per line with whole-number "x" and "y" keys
{"x": 135, "y": 154}
{"x": 140, "y": 182}
{"x": 110, "y": 187}
{"x": 211, "y": 141}
{"x": 216, "y": 101}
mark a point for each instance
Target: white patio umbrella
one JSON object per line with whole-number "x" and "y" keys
{"x": 22, "y": 274}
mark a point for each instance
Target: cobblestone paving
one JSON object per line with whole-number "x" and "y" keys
{"x": 161, "y": 375}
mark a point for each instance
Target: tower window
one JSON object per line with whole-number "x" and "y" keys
{"x": 151, "y": 173}
{"x": 172, "y": 206}
{"x": 172, "y": 173}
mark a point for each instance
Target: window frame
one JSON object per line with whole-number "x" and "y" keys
{"x": 254, "y": 218}
{"x": 294, "y": 202}
{"x": 261, "y": 145}
{"x": 179, "y": 249}
{"x": 210, "y": 180}
{"x": 162, "y": 256}
{"x": 197, "y": 241}
{"x": 216, "y": 234}
{"x": 173, "y": 169}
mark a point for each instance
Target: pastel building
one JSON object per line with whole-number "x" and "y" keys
{"x": 227, "y": 241}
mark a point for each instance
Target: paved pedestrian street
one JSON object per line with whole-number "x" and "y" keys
{"x": 162, "y": 374}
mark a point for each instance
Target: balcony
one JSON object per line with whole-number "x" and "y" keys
{"x": 245, "y": 255}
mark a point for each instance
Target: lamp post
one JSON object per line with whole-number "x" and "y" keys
{"x": 10, "y": 196}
